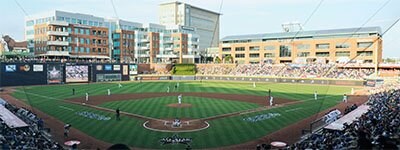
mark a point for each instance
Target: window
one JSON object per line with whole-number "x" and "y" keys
{"x": 68, "y": 19}
{"x": 303, "y": 54}
{"x": 96, "y": 23}
{"x": 239, "y": 55}
{"x": 90, "y": 23}
{"x": 303, "y": 46}
{"x": 82, "y": 49}
{"x": 226, "y": 49}
{"x": 82, "y": 31}
{"x": 177, "y": 46}
{"x": 366, "y": 53}
{"x": 254, "y": 55}
{"x": 269, "y": 48}
{"x": 87, "y": 41}
{"x": 82, "y": 41}
{"x": 342, "y": 53}
{"x": 364, "y": 44}
{"x": 76, "y": 49}
{"x": 322, "y": 54}
{"x": 285, "y": 51}
{"x": 268, "y": 55}
{"x": 30, "y": 23}
{"x": 84, "y": 22}
{"x": 73, "y": 20}
{"x": 69, "y": 30}
{"x": 343, "y": 45}
{"x": 239, "y": 49}
{"x": 69, "y": 49}
{"x": 117, "y": 44}
{"x": 322, "y": 46}
{"x": 87, "y": 32}
{"x": 116, "y": 36}
{"x": 30, "y": 32}
{"x": 87, "y": 50}
{"x": 254, "y": 48}
{"x": 76, "y": 30}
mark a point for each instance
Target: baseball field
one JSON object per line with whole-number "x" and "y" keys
{"x": 214, "y": 114}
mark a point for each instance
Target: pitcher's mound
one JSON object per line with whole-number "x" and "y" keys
{"x": 182, "y": 105}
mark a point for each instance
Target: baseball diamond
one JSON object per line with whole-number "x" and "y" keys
{"x": 214, "y": 114}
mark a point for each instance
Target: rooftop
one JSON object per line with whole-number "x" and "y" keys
{"x": 305, "y": 34}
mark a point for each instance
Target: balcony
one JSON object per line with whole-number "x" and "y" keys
{"x": 58, "y": 43}
{"x": 58, "y": 23}
{"x": 144, "y": 40}
{"x": 58, "y": 33}
{"x": 170, "y": 48}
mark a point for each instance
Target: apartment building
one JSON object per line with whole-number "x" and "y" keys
{"x": 337, "y": 45}
{"x": 206, "y": 22}
{"x": 76, "y": 35}
{"x": 75, "y": 40}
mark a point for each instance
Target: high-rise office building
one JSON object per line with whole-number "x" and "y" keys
{"x": 206, "y": 22}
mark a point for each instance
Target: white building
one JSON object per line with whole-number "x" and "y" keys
{"x": 206, "y": 22}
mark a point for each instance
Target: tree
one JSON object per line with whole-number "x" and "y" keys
{"x": 228, "y": 59}
{"x": 217, "y": 60}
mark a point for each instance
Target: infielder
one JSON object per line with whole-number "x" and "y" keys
{"x": 167, "y": 89}
{"x": 179, "y": 98}
{"x": 108, "y": 92}
{"x": 345, "y": 98}
{"x": 315, "y": 95}
{"x": 271, "y": 101}
{"x": 119, "y": 85}
{"x": 87, "y": 96}
{"x": 254, "y": 84}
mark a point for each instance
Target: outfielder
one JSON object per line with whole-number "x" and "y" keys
{"x": 119, "y": 85}
{"x": 254, "y": 84}
{"x": 167, "y": 89}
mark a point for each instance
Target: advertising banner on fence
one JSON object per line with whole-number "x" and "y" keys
{"x": 117, "y": 67}
{"x": 133, "y": 69}
{"x": 25, "y": 68}
{"x": 11, "y": 68}
{"x": 54, "y": 73}
{"x": 77, "y": 73}
{"x": 125, "y": 70}
{"x": 107, "y": 67}
{"x": 37, "y": 68}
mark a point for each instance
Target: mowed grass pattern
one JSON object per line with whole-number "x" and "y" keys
{"x": 222, "y": 132}
{"x": 201, "y": 107}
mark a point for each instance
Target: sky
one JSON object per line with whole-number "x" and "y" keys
{"x": 239, "y": 16}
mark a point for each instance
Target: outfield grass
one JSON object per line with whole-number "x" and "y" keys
{"x": 222, "y": 132}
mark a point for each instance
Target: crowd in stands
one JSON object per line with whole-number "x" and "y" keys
{"x": 62, "y": 60}
{"x": 378, "y": 128}
{"x": 31, "y": 137}
{"x": 287, "y": 70}
{"x": 349, "y": 73}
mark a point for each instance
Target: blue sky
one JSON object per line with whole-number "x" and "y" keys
{"x": 239, "y": 16}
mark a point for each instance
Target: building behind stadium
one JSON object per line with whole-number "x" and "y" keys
{"x": 362, "y": 45}
{"x": 83, "y": 36}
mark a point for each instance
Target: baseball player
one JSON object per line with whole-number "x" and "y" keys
{"x": 315, "y": 95}
{"x": 87, "y": 96}
{"x": 119, "y": 85}
{"x": 167, "y": 89}
{"x": 345, "y": 98}
{"x": 271, "y": 101}
{"x": 179, "y": 98}
{"x": 254, "y": 84}
{"x": 108, "y": 92}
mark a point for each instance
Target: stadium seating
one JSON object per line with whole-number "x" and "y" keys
{"x": 379, "y": 128}
{"x": 31, "y": 137}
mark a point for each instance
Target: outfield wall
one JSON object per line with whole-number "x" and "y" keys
{"x": 19, "y": 74}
